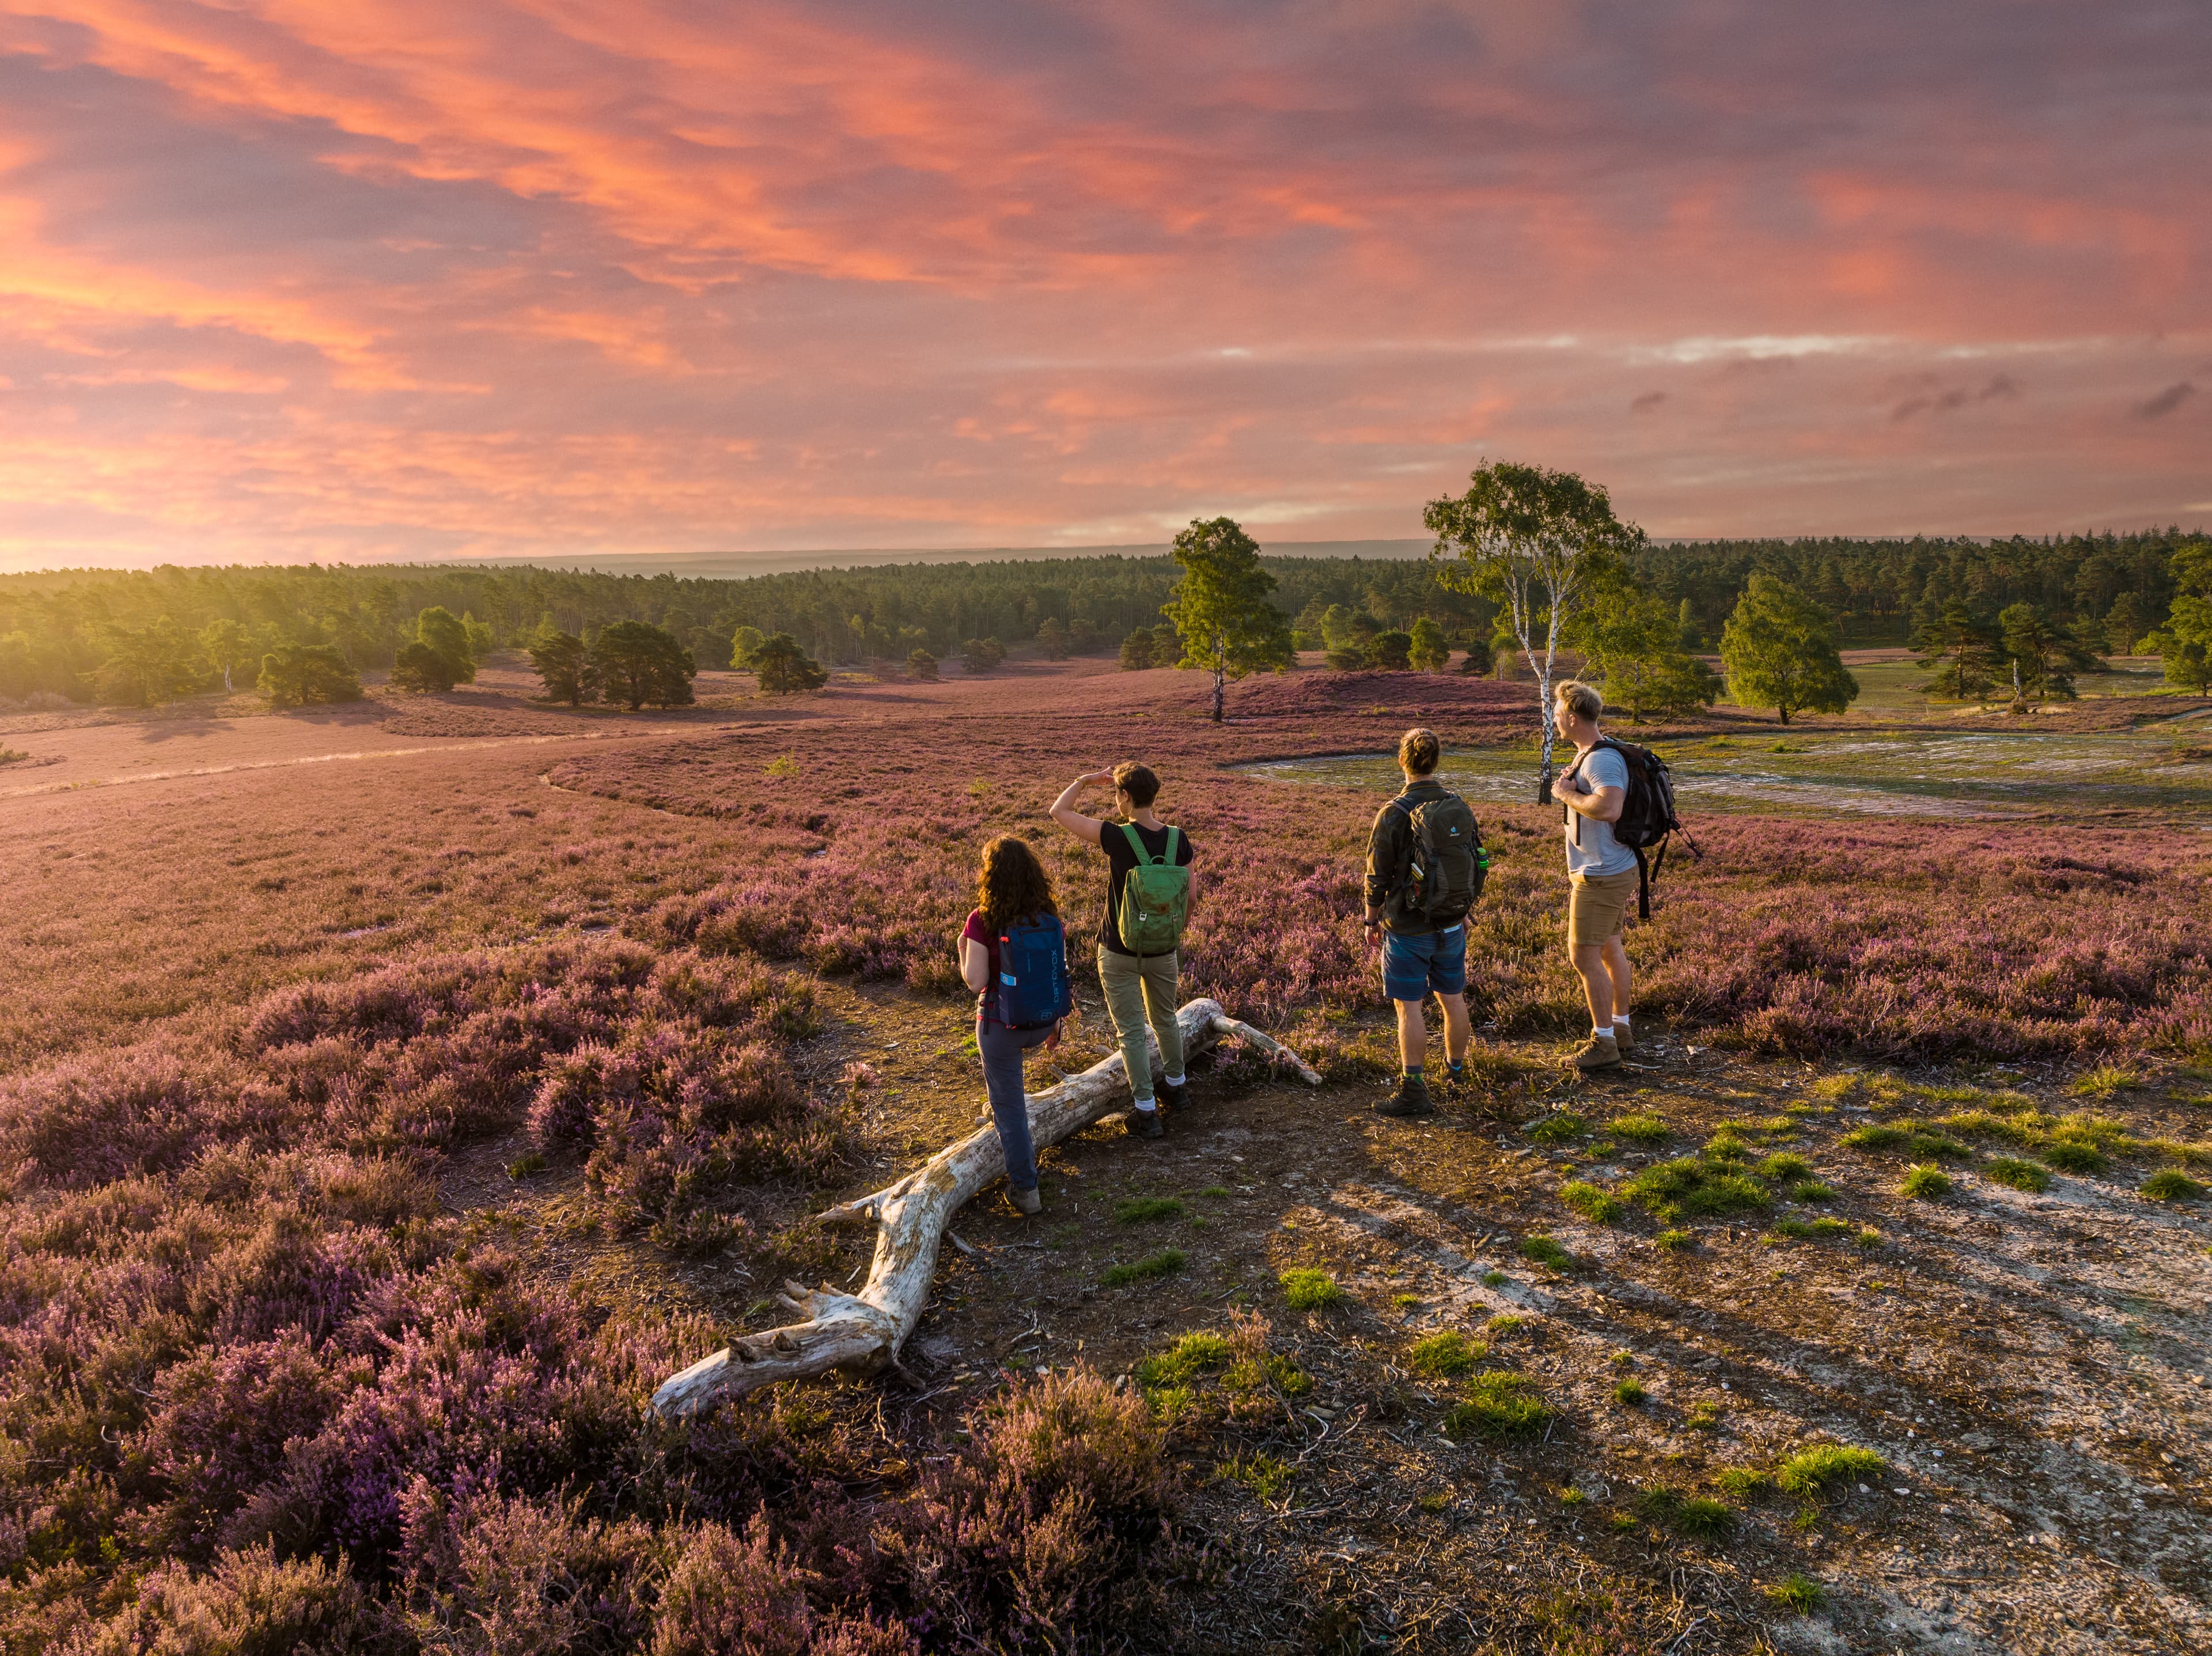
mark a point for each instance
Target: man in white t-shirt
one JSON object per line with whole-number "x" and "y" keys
{"x": 1602, "y": 872}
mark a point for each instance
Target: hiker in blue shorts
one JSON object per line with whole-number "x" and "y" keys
{"x": 1425, "y": 863}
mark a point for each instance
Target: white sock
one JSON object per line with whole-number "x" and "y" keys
{"x": 1597, "y": 1033}
{"x": 1172, "y": 1080}
{"x": 1146, "y": 1104}
{"x": 1620, "y": 1019}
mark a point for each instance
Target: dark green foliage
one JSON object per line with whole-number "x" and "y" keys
{"x": 1630, "y": 1392}
{"x": 1220, "y": 609}
{"x": 1640, "y": 1127}
{"x": 560, "y": 662}
{"x": 2018, "y": 1175}
{"x": 1597, "y": 1206}
{"x": 1688, "y": 1188}
{"x": 1796, "y": 1591}
{"x": 921, "y": 664}
{"x": 1166, "y": 1262}
{"x": 1779, "y": 649}
{"x": 1560, "y": 1128}
{"x": 980, "y": 655}
{"x": 638, "y": 663}
{"x": 1137, "y": 650}
{"x": 1140, "y": 1209}
{"x": 1309, "y": 1290}
{"x": 2172, "y": 1185}
{"x": 1925, "y": 1181}
{"x": 2074, "y": 1155}
{"x": 1546, "y": 1252}
{"x": 421, "y": 670}
{"x": 782, "y": 668}
{"x": 1445, "y": 1355}
{"x": 1391, "y": 652}
{"x": 1705, "y": 1517}
{"x": 1498, "y": 1404}
{"x": 439, "y": 629}
{"x": 306, "y": 675}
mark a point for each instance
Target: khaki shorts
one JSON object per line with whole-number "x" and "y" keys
{"x": 1597, "y": 907}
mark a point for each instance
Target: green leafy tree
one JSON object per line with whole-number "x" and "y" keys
{"x": 1779, "y": 652}
{"x": 1391, "y": 652}
{"x": 1535, "y": 541}
{"x": 637, "y": 663}
{"x": 227, "y": 645}
{"x": 2045, "y": 656}
{"x": 2185, "y": 643}
{"x": 745, "y": 645}
{"x": 564, "y": 667}
{"x": 420, "y": 670}
{"x": 921, "y": 664}
{"x": 1633, "y": 642}
{"x": 980, "y": 655}
{"x": 1478, "y": 659}
{"x": 1427, "y": 647}
{"x": 479, "y": 633}
{"x": 1963, "y": 652}
{"x": 2128, "y": 621}
{"x": 782, "y": 668}
{"x": 307, "y": 675}
{"x": 1220, "y": 610}
{"x": 148, "y": 665}
{"x": 1053, "y": 639}
{"x": 1137, "y": 650}
{"x": 439, "y": 629}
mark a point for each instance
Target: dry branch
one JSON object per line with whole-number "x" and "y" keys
{"x": 863, "y": 1331}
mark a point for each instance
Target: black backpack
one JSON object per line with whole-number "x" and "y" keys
{"x": 1647, "y": 814}
{"x": 1444, "y": 875}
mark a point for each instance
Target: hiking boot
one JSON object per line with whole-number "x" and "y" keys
{"x": 1601, "y": 1052}
{"x": 1146, "y": 1124}
{"x": 1623, "y": 1043}
{"x": 1174, "y": 1097}
{"x": 1029, "y": 1201}
{"x": 1412, "y": 1099}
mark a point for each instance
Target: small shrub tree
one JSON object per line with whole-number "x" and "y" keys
{"x": 745, "y": 645}
{"x": 2045, "y": 656}
{"x": 1779, "y": 649}
{"x": 1479, "y": 658}
{"x": 1137, "y": 650}
{"x": 421, "y": 670}
{"x": 921, "y": 664}
{"x": 1962, "y": 652}
{"x": 1633, "y": 643}
{"x": 1053, "y": 639}
{"x": 637, "y": 662}
{"x": 980, "y": 655}
{"x": 439, "y": 629}
{"x": 782, "y": 668}
{"x": 565, "y": 668}
{"x": 1391, "y": 652}
{"x": 1220, "y": 609}
{"x": 2184, "y": 644}
{"x": 1428, "y": 649}
{"x": 307, "y": 675}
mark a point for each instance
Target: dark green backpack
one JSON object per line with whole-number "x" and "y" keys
{"x": 1444, "y": 875}
{"x": 1155, "y": 898}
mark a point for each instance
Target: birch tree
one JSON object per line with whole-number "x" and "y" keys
{"x": 1535, "y": 542}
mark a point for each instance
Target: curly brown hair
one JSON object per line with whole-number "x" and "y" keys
{"x": 1012, "y": 884}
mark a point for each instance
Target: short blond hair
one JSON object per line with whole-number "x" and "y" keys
{"x": 1582, "y": 701}
{"x": 1419, "y": 751}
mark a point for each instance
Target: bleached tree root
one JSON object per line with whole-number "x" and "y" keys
{"x": 863, "y": 1331}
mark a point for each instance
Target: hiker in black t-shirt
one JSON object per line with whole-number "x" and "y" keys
{"x": 1139, "y": 982}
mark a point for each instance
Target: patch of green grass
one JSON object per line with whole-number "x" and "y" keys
{"x": 1809, "y": 1230}
{"x": 1924, "y": 1181}
{"x": 1435, "y": 1501}
{"x": 1193, "y": 1355}
{"x": 1725, "y": 1146}
{"x": 1621, "y": 1523}
{"x": 2171, "y": 1185}
{"x": 1446, "y": 1355}
{"x": 1702, "y": 1417}
{"x": 1505, "y": 1322}
{"x": 1704, "y": 1517}
{"x": 1404, "y": 1301}
{"x": 1493, "y": 1278}
{"x": 523, "y": 1166}
{"x": 1868, "y": 1237}
{"x": 1262, "y": 1474}
{"x": 1309, "y": 1290}
{"x": 1629, "y": 1392}
{"x": 1784, "y": 1165}
{"x": 786, "y": 764}
{"x": 1216, "y": 1190}
{"x": 1741, "y": 1482}
{"x": 2101, "y": 1083}
{"x": 1822, "y": 1466}
{"x": 1687, "y": 1187}
{"x": 2020, "y": 1175}
{"x": 1833, "y": 1088}
{"x": 2074, "y": 1155}
{"x": 1876, "y": 1136}
{"x": 1571, "y": 1497}
{"x": 1600, "y": 1207}
{"x": 1640, "y": 1128}
{"x": 1980, "y": 1124}
{"x": 1547, "y": 1252}
{"x": 1796, "y": 1591}
{"x": 1499, "y": 1404}
{"x": 1938, "y": 1147}
{"x": 1812, "y": 1190}
{"x": 1557, "y": 1129}
{"x": 1675, "y": 1242}
{"x": 1166, "y": 1262}
{"x": 1143, "y": 1210}
{"x": 1658, "y": 1503}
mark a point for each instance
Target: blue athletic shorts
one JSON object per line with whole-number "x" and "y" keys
{"x": 1414, "y": 968}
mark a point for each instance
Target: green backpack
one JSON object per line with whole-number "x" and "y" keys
{"x": 1155, "y": 898}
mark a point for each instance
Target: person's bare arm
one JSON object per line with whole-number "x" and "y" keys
{"x": 1599, "y": 806}
{"x": 1065, "y": 813}
{"x": 974, "y": 965}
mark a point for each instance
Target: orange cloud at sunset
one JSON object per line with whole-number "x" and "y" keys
{"x": 283, "y": 279}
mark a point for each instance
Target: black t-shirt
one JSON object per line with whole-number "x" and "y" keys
{"x": 1119, "y": 860}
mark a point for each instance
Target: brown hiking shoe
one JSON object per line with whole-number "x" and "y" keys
{"x": 1601, "y": 1052}
{"x": 1622, "y": 1040}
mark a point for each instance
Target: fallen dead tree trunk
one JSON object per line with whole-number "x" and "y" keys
{"x": 864, "y": 1331}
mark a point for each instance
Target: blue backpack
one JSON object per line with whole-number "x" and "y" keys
{"x": 1033, "y": 989}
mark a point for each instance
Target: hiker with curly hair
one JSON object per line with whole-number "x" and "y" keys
{"x": 1014, "y": 953}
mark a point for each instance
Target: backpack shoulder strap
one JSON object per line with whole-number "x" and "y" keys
{"x": 1175, "y": 836}
{"x": 1136, "y": 845}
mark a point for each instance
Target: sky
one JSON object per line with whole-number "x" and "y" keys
{"x": 366, "y": 280}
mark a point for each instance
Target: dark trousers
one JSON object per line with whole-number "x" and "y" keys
{"x": 1002, "y": 1049}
